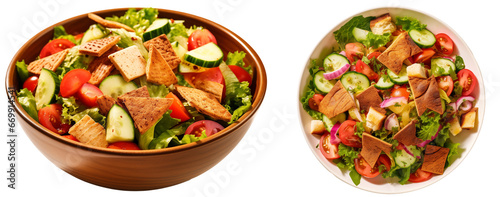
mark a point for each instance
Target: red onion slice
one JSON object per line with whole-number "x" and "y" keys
{"x": 407, "y": 150}
{"x": 333, "y": 134}
{"x": 337, "y": 73}
{"x": 450, "y": 58}
{"x": 392, "y": 101}
{"x": 466, "y": 106}
{"x": 391, "y": 121}
{"x": 422, "y": 144}
{"x": 343, "y": 53}
{"x": 454, "y": 106}
{"x": 462, "y": 99}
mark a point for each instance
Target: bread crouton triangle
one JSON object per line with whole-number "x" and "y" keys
{"x": 146, "y": 111}
{"x": 204, "y": 102}
{"x": 165, "y": 47}
{"x": 157, "y": 69}
{"x": 51, "y": 62}
{"x": 435, "y": 159}
{"x": 337, "y": 101}
{"x": 372, "y": 147}
{"x": 430, "y": 99}
{"x": 401, "y": 49}
{"x": 408, "y": 135}
{"x": 98, "y": 47}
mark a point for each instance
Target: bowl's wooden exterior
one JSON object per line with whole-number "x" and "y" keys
{"x": 145, "y": 169}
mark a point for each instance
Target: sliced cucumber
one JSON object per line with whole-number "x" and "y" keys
{"x": 442, "y": 66}
{"x": 384, "y": 83}
{"x": 47, "y": 88}
{"x": 188, "y": 67}
{"x": 354, "y": 81}
{"x": 359, "y": 34}
{"x": 334, "y": 61}
{"x": 93, "y": 33}
{"x": 115, "y": 86}
{"x": 423, "y": 38}
{"x": 400, "y": 78}
{"x": 119, "y": 125}
{"x": 329, "y": 122}
{"x": 180, "y": 51}
{"x": 158, "y": 27}
{"x": 208, "y": 55}
{"x": 322, "y": 85}
{"x": 404, "y": 160}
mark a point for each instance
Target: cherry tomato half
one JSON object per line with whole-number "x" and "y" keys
{"x": 210, "y": 128}
{"x": 71, "y": 137}
{"x": 424, "y": 56}
{"x": 353, "y": 50}
{"x": 241, "y": 74}
{"x": 384, "y": 160}
{"x": 373, "y": 55}
{"x": 361, "y": 67}
{"x": 444, "y": 44}
{"x": 199, "y": 38}
{"x": 467, "y": 80}
{"x": 31, "y": 83}
{"x": 178, "y": 109}
{"x": 124, "y": 146}
{"x": 73, "y": 81}
{"x": 446, "y": 84}
{"x": 88, "y": 94}
{"x": 315, "y": 100}
{"x": 347, "y": 136}
{"x": 329, "y": 151}
{"x": 55, "y": 46}
{"x": 420, "y": 176}
{"x": 364, "y": 169}
{"x": 399, "y": 91}
{"x": 50, "y": 117}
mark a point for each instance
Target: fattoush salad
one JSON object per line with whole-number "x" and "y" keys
{"x": 389, "y": 97}
{"x": 135, "y": 82}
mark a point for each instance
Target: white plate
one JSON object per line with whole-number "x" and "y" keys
{"x": 466, "y": 138}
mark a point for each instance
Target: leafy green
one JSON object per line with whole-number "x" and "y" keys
{"x": 73, "y": 111}
{"x": 177, "y": 30}
{"x": 454, "y": 151}
{"x": 347, "y": 155}
{"x": 22, "y": 71}
{"x": 139, "y": 20}
{"x": 428, "y": 125}
{"x": 409, "y": 23}
{"x": 376, "y": 41}
{"x": 166, "y": 123}
{"x": 27, "y": 101}
{"x": 443, "y": 136}
{"x": 309, "y": 92}
{"x": 155, "y": 91}
{"x": 236, "y": 58}
{"x": 360, "y": 129}
{"x": 344, "y": 34}
{"x": 128, "y": 39}
{"x": 192, "y": 138}
{"x": 60, "y": 32}
{"x": 74, "y": 59}
{"x": 355, "y": 177}
{"x": 181, "y": 81}
{"x": 238, "y": 98}
{"x": 146, "y": 138}
{"x": 459, "y": 63}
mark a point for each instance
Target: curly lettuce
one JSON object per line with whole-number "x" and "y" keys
{"x": 139, "y": 20}
{"x": 344, "y": 34}
{"x": 73, "y": 111}
{"x": 238, "y": 98}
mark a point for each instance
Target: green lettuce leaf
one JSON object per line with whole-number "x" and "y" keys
{"x": 73, "y": 111}
{"x": 22, "y": 70}
{"x": 409, "y": 23}
{"x": 309, "y": 92}
{"x": 347, "y": 155}
{"x": 178, "y": 32}
{"x": 428, "y": 125}
{"x": 128, "y": 39}
{"x": 74, "y": 59}
{"x": 166, "y": 123}
{"x": 238, "y": 98}
{"x": 155, "y": 91}
{"x": 60, "y": 32}
{"x": 344, "y": 34}
{"x": 236, "y": 58}
{"x": 146, "y": 138}
{"x": 454, "y": 153}
{"x": 376, "y": 41}
{"x": 139, "y": 20}
{"x": 27, "y": 101}
{"x": 181, "y": 81}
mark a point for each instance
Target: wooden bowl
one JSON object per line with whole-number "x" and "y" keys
{"x": 144, "y": 169}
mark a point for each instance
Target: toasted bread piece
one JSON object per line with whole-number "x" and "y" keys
{"x": 435, "y": 159}
{"x": 370, "y": 98}
{"x": 101, "y": 67}
{"x": 129, "y": 62}
{"x": 157, "y": 69}
{"x": 163, "y": 45}
{"x": 211, "y": 87}
{"x": 382, "y": 24}
{"x": 336, "y": 101}
{"x": 372, "y": 147}
{"x": 108, "y": 23}
{"x": 89, "y": 132}
{"x": 139, "y": 92}
{"x": 98, "y": 47}
{"x": 430, "y": 99}
{"x": 418, "y": 86}
{"x": 51, "y": 62}
{"x": 408, "y": 135}
{"x": 204, "y": 102}
{"x": 146, "y": 111}
{"x": 401, "y": 49}
{"x": 104, "y": 103}
{"x": 416, "y": 70}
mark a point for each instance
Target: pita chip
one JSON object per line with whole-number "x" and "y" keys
{"x": 337, "y": 101}
{"x": 104, "y": 103}
{"x": 401, "y": 49}
{"x": 129, "y": 62}
{"x": 205, "y": 103}
{"x": 418, "y": 85}
{"x": 157, "y": 69}
{"x": 430, "y": 99}
{"x": 165, "y": 47}
{"x": 99, "y": 47}
{"x": 146, "y": 111}
{"x": 89, "y": 132}
{"x": 435, "y": 159}
{"x": 372, "y": 147}
{"x": 101, "y": 67}
{"x": 408, "y": 135}
{"x": 51, "y": 62}
{"x": 370, "y": 98}
{"x": 211, "y": 87}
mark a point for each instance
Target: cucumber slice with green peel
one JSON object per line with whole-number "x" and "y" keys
{"x": 359, "y": 34}
{"x": 188, "y": 67}
{"x": 384, "y": 83}
{"x": 404, "y": 160}
{"x": 354, "y": 81}
{"x": 179, "y": 50}
{"x": 158, "y": 27}
{"x": 115, "y": 86}
{"x": 330, "y": 122}
{"x": 93, "y": 33}
{"x": 208, "y": 55}
{"x": 119, "y": 125}
{"x": 442, "y": 66}
{"x": 401, "y": 78}
{"x": 423, "y": 38}
{"x": 47, "y": 88}
{"x": 334, "y": 61}
{"x": 322, "y": 85}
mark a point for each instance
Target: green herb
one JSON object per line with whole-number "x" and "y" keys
{"x": 344, "y": 34}
{"x": 355, "y": 177}
{"x": 409, "y": 23}
{"x": 428, "y": 125}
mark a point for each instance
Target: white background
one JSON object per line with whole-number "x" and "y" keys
{"x": 273, "y": 158}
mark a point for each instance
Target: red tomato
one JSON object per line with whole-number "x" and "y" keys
{"x": 361, "y": 67}
{"x": 399, "y": 91}
{"x": 384, "y": 160}
{"x": 241, "y": 74}
{"x": 199, "y": 38}
{"x": 315, "y": 100}
{"x": 329, "y": 151}
{"x": 355, "y": 49}
{"x": 178, "y": 109}
{"x": 347, "y": 136}
{"x": 424, "y": 56}
{"x": 212, "y": 74}
{"x": 31, "y": 83}
{"x": 55, "y": 46}
{"x": 73, "y": 81}
{"x": 50, "y": 117}
{"x": 88, "y": 94}
{"x": 79, "y": 36}
{"x": 124, "y": 146}
{"x": 373, "y": 55}
{"x": 397, "y": 32}
{"x": 420, "y": 176}
{"x": 71, "y": 137}
{"x": 364, "y": 169}
{"x": 446, "y": 84}
{"x": 210, "y": 128}
{"x": 444, "y": 44}
{"x": 467, "y": 80}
